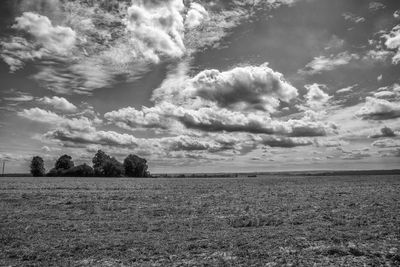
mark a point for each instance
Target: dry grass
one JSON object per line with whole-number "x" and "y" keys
{"x": 265, "y": 221}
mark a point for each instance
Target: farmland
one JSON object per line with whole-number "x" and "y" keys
{"x": 263, "y": 221}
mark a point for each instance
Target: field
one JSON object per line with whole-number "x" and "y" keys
{"x": 263, "y": 221}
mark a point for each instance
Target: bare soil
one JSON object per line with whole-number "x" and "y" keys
{"x": 263, "y": 221}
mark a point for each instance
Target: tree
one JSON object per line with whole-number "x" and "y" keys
{"x": 112, "y": 168}
{"x": 82, "y": 170}
{"x": 37, "y": 167}
{"x": 135, "y": 166}
{"x": 64, "y": 163}
{"x": 99, "y": 160}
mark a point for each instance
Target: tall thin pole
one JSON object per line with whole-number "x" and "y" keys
{"x": 4, "y": 163}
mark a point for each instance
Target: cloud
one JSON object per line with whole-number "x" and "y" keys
{"x": 244, "y": 88}
{"x": 393, "y": 42}
{"x": 80, "y": 46}
{"x": 316, "y": 98}
{"x": 352, "y": 17}
{"x": 379, "y": 109}
{"x": 388, "y": 142}
{"x": 238, "y": 100}
{"x": 356, "y": 155}
{"x": 156, "y": 29}
{"x": 19, "y": 97}
{"x": 55, "y": 120}
{"x": 384, "y": 132}
{"x": 334, "y": 43}
{"x": 285, "y": 142}
{"x": 374, "y": 6}
{"x": 390, "y": 153}
{"x": 379, "y": 55}
{"x": 17, "y": 51}
{"x": 109, "y": 138}
{"x": 56, "y": 39}
{"x": 396, "y": 14}
{"x": 346, "y": 89}
{"x": 131, "y": 118}
{"x": 196, "y": 15}
{"x": 59, "y": 103}
{"x": 323, "y": 63}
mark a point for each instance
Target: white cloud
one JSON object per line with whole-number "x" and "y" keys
{"x": 19, "y": 97}
{"x": 396, "y": 14}
{"x": 156, "y": 29}
{"x": 346, "y": 89}
{"x": 55, "y": 120}
{"x": 238, "y": 100}
{"x": 316, "y": 98}
{"x": 244, "y": 88}
{"x": 323, "y": 63}
{"x": 59, "y": 103}
{"x": 196, "y": 15}
{"x": 57, "y": 39}
{"x": 393, "y": 42}
{"x": 379, "y": 109}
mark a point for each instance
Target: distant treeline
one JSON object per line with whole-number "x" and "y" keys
{"x": 103, "y": 166}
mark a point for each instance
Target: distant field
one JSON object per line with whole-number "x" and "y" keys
{"x": 263, "y": 221}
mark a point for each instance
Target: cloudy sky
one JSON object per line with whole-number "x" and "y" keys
{"x": 202, "y": 86}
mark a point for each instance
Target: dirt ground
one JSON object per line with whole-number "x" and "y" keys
{"x": 263, "y": 221}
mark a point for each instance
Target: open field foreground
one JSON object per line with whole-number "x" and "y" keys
{"x": 264, "y": 221}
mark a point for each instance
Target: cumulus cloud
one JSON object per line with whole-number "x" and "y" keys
{"x": 55, "y": 120}
{"x": 196, "y": 15}
{"x": 238, "y": 100}
{"x": 244, "y": 88}
{"x": 59, "y": 103}
{"x": 323, "y": 63}
{"x": 393, "y": 42}
{"x": 156, "y": 28}
{"x": 316, "y": 98}
{"x": 379, "y": 109}
{"x": 80, "y": 46}
{"x": 57, "y": 39}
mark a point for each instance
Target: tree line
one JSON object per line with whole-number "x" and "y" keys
{"x": 103, "y": 166}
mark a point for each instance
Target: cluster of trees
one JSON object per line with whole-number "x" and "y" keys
{"x": 103, "y": 166}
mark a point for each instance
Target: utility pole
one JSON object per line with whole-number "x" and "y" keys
{"x": 4, "y": 164}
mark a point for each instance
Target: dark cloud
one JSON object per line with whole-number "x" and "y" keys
{"x": 385, "y": 132}
{"x": 285, "y": 142}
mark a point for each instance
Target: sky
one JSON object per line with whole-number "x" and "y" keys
{"x": 202, "y": 86}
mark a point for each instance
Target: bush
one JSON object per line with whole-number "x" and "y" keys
{"x": 37, "y": 167}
